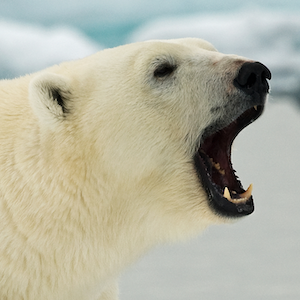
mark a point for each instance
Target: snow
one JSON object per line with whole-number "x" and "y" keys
{"x": 27, "y": 48}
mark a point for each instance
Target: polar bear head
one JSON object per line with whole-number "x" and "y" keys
{"x": 104, "y": 157}
{"x": 152, "y": 124}
{"x": 144, "y": 132}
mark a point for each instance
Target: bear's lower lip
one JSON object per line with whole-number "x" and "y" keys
{"x": 214, "y": 168}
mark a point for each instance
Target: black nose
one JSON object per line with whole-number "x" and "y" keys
{"x": 252, "y": 78}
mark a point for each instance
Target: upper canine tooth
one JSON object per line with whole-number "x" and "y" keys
{"x": 255, "y": 107}
{"x": 247, "y": 194}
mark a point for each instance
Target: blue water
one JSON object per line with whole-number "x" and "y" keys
{"x": 110, "y": 22}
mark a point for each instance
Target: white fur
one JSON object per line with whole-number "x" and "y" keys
{"x": 85, "y": 192}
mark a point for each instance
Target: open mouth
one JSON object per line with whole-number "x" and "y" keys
{"x": 214, "y": 168}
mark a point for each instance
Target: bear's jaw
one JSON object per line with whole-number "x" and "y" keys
{"x": 214, "y": 168}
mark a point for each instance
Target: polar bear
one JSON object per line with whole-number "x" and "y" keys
{"x": 105, "y": 157}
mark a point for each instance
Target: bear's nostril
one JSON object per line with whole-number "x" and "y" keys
{"x": 251, "y": 81}
{"x": 252, "y": 77}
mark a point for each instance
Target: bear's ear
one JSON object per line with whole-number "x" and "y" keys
{"x": 50, "y": 95}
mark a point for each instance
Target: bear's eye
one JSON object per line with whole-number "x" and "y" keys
{"x": 164, "y": 70}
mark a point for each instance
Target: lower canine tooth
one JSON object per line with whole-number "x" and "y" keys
{"x": 227, "y": 194}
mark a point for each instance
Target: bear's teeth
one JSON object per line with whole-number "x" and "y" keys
{"x": 217, "y": 166}
{"x": 242, "y": 197}
{"x": 247, "y": 194}
{"x": 255, "y": 107}
{"x": 227, "y": 194}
